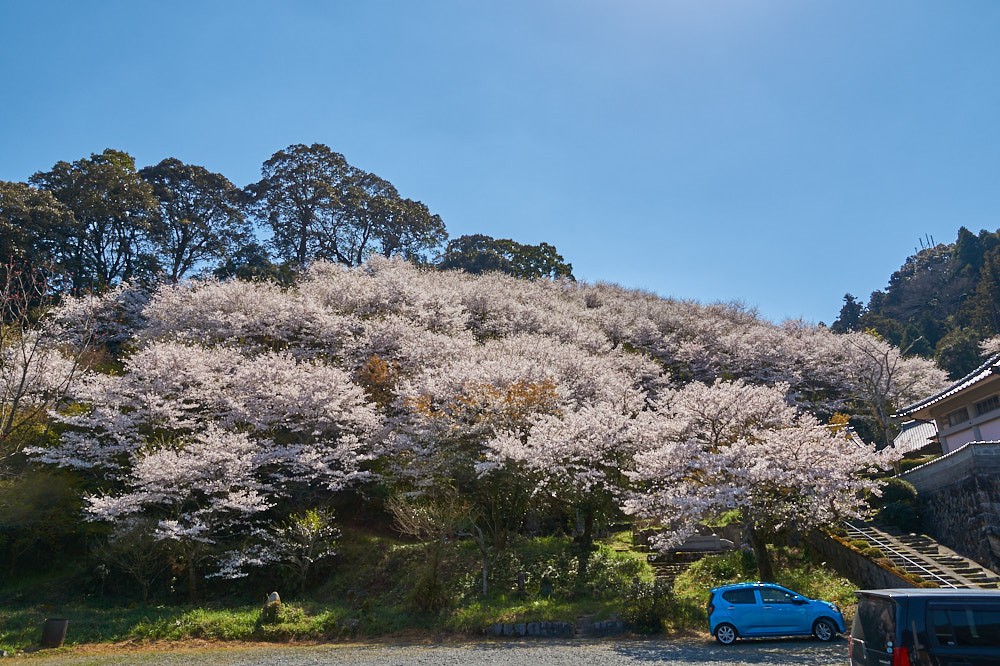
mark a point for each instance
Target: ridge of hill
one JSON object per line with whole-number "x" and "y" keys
{"x": 942, "y": 303}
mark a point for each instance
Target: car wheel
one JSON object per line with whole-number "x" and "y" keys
{"x": 725, "y": 634}
{"x": 824, "y": 630}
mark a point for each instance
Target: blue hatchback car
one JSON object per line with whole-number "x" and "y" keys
{"x": 756, "y": 610}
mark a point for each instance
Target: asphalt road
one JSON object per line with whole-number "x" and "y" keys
{"x": 804, "y": 652}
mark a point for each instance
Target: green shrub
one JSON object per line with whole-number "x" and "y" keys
{"x": 896, "y": 490}
{"x": 736, "y": 565}
{"x": 270, "y": 613}
{"x": 554, "y": 560}
{"x": 430, "y": 593}
{"x": 838, "y": 530}
{"x": 650, "y": 607}
{"x": 901, "y": 514}
{"x": 907, "y": 464}
{"x": 885, "y": 563}
{"x": 646, "y": 606}
{"x": 226, "y": 625}
{"x": 608, "y": 572}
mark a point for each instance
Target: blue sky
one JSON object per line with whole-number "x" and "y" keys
{"x": 774, "y": 152}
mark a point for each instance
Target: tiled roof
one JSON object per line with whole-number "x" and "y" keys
{"x": 982, "y": 372}
{"x": 914, "y": 436}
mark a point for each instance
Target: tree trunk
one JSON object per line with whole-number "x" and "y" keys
{"x": 192, "y": 576}
{"x": 586, "y": 545}
{"x": 759, "y": 544}
{"x": 484, "y": 552}
{"x": 302, "y": 250}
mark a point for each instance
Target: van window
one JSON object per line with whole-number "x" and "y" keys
{"x": 739, "y": 596}
{"x": 875, "y": 623}
{"x": 965, "y": 625}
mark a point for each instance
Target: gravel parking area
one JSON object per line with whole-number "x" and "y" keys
{"x": 486, "y": 653}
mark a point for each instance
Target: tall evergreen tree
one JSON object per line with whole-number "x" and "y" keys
{"x": 480, "y": 253}
{"x": 850, "y": 315}
{"x": 201, "y": 218}
{"x": 301, "y": 196}
{"x": 35, "y": 231}
{"x": 320, "y": 207}
{"x": 113, "y": 210}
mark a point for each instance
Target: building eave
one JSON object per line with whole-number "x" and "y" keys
{"x": 987, "y": 369}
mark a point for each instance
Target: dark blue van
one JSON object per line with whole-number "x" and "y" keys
{"x": 929, "y": 627}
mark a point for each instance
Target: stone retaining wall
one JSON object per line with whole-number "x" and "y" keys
{"x": 583, "y": 627}
{"x": 965, "y": 516}
{"x": 959, "y": 497}
{"x": 541, "y": 629}
{"x": 852, "y": 564}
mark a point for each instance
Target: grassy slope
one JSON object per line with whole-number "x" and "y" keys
{"x": 385, "y": 569}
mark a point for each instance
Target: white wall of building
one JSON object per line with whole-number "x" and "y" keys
{"x": 958, "y": 439}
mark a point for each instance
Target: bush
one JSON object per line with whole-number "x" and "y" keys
{"x": 653, "y": 607}
{"x": 646, "y": 606}
{"x": 838, "y": 530}
{"x": 907, "y": 464}
{"x": 736, "y": 565}
{"x": 608, "y": 572}
{"x": 902, "y": 515}
{"x": 270, "y": 613}
{"x": 430, "y": 594}
{"x": 898, "y": 505}
{"x": 896, "y": 490}
{"x": 554, "y": 560}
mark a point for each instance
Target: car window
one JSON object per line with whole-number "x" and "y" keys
{"x": 772, "y": 595}
{"x": 739, "y": 596}
{"x": 875, "y": 623}
{"x": 966, "y": 625}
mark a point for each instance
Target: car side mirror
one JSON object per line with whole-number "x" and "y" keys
{"x": 799, "y": 601}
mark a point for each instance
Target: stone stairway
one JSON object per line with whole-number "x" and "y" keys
{"x": 665, "y": 568}
{"x": 920, "y": 555}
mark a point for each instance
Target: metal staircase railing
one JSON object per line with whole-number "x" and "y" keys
{"x": 892, "y": 549}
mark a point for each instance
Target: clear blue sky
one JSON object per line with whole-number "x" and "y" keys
{"x": 775, "y": 152}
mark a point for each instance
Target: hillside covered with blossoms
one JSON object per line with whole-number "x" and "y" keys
{"x": 220, "y": 413}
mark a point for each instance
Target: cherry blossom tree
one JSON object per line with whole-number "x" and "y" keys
{"x": 884, "y": 380}
{"x": 417, "y": 319}
{"x": 578, "y": 459}
{"x": 297, "y": 544}
{"x": 989, "y": 347}
{"x": 732, "y": 445}
{"x": 43, "y": 351}
{"x": 207, "y": 441}
{"x": 203, "y": 490}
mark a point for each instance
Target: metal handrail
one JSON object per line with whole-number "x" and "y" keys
{"x": 892, "y": 549}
